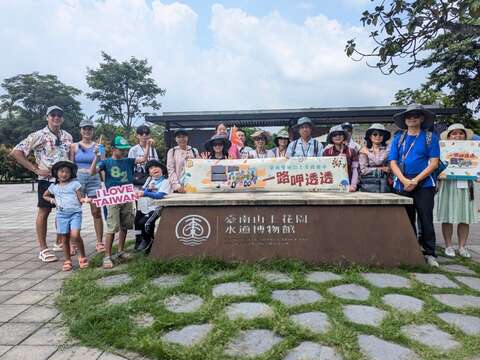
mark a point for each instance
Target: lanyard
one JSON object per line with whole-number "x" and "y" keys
{"x": 303, "y": 150}
{"x": 404, "y": 155}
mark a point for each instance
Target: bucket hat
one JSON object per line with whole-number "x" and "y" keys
{"x": 457, "y": 126}
{"x": 64, "y": 163}
{"x": 261, "y": 133}
{"x": 380, "y": 128}
{"x": 304, "y": 120}
{"x": 282, "y": 134}
{"x": 337, "y": 129}
{"x": 119, "y": 142}
{"x": 217, "y": 138}
{"x": 157, "y": 163}
{"x": 429, "y": 116}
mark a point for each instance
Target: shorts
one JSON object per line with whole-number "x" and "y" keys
{"x": 67, "y": 221}
{"x": 90, "y": 183}
{"x": 119, "y": 217}
{"x": 43, "y": 186}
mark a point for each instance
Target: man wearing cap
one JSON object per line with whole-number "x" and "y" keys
{"x": 305, "y": 146}
{"x": 176, "y": 158}
{"x": 351, "y": 143}
{"x": 49, "y": 145}
{"x": 414, "y": 156}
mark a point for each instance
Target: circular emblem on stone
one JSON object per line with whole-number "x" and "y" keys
{"x": 192, "y": 230}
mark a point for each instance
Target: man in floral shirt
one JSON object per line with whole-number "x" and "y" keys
{"x": 49, "y": 145}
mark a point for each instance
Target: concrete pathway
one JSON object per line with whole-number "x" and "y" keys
{"x": 29, "y": 322}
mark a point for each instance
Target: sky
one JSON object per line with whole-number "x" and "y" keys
{"x": 208, "y": 55}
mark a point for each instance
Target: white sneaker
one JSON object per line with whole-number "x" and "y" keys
{"x": 463, "y": 252}
{"x": 450, "y": 251}
{"x": 431, "y": 261}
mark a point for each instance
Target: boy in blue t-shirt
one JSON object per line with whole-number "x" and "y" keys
{"x": 118, "y": 170}
{"x": 414, "y": 156}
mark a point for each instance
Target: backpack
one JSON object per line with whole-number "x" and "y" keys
{"x": 315, "y": 147}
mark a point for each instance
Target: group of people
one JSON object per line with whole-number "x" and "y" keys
{"x": 70, "y": 173}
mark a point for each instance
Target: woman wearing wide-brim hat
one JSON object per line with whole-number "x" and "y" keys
{"x": 260, "y": 139}
{"x": 338, "y": 137}
{"x": 455, "y": 200}
{"x": 373, "y": 157}
{"x": 217, "y": 148}
{"x": 414, "y": 156}
{"x": 281, "y": 141}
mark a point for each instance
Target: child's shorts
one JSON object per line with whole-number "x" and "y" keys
{"x": 67, "y": 221}
{"x": 119, "y": 217}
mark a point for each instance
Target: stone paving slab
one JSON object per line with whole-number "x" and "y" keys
{"x": 15, "y": 333}
{"x": 20, "y": 284}
{"x": 76, "y": 353}
{"x": 458, "y": 301}
{"x": 48, "y": 285}
{"x": 30, "y": 352}
{"x": 234, "y": 289}
{"x": 386, "y": 280}
{"x": 364, "y": 315}
{"x": 8, "y": 312}
{"x": 276, "y": 277}
{"x": 315, "y": 321}
{"x": 403, "y": 302}
{"x": 248, "y": 311}
{"x": 350, "y": 292}
{"x": 308, "y": 350}
{"x": 51, "y": 334}
{"x": 470, "y": 325}
{"x": 27, "y": 298}
{"x": 456, "y": 268}
{"x": 168, "y": 281}
{"x": 114, "y": 280}
{"x": 183, "y": 303}
{"x": 431, "y": 336}
{"x": 471, "y": 282}
{"x": 252, "y": 343}
{"x": 37, "y": 314}
{"x": 5, "y": 295}
{"x": 119, "y": 299}
{"x": 374, "y": 348}
{"x": 292, "y": 298}
{"x": 4, "y": 349}
{"x": 189, "y": 335}
{"x": 143, "y": 320}
{"x": 322, "y": 276}
{"x": 436, "y": 280}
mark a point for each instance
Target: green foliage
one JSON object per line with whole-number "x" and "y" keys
{"x": 9, "y": 170}
{"x": 123, "y": 89}
{"x": 26, "y": 99}
{"x": 443, "y": 36}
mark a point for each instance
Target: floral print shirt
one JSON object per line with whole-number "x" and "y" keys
{"x": 47, "y": 148}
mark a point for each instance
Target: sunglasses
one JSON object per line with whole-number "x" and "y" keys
{"x": 413, "y": 114}
{"x": 260, "y": 139}
{"x": 338, "y": 134}
{"x": 377, "y": 134}
{"x": 144, "y": 134}
{"x": 56, "y": 114}
{"x": 217, "y": 144}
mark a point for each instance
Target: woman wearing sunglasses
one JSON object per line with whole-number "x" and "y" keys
{"x": 374, "y": 169}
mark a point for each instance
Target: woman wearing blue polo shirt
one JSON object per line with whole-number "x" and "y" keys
{"x": 414, "y": 155}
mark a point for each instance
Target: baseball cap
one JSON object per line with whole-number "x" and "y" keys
{"x": 53, "y": 107}
{"x": 119, "y": 142}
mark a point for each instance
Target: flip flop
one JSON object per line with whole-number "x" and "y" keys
{"x": 67, "y": 265}
{"x": 83, "y": 262}
{"x": 99, "y": 247}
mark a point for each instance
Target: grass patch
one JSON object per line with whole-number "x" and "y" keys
{"x": 94, "y": 322}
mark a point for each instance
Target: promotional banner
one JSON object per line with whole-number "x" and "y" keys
{"x": 115, "y": 195}
{"x": 462, "y": 159}
{"x": 273, "y": 174}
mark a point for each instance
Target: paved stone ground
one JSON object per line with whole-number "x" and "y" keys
{"x": 28, "y": 318}
{"x": 29, "y": 322}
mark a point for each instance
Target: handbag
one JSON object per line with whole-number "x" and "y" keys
{"x": 140, "y": 175}
{"x": 375, "y": 183}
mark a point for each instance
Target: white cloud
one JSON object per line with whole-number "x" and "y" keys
{"x": 254, "y": 62}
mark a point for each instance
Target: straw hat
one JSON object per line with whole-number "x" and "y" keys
{"x": 427, "y": 121}
{"x": 282, "y": 134}
{"x": 261, "y": 133}
{"x": 457, "y": 126}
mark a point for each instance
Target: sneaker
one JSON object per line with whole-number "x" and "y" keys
{"x": 463, "y": 252}
{"x": 431, "y": 261}
{"x": 450, "y": 251}
{"x": 123, "y": 256}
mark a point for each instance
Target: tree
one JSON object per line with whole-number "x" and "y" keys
{"x": 26, "y": 99}
{"x": 123, "y": 89}
{"x": 440, "y": 35}
{"x": 423, "y": 95}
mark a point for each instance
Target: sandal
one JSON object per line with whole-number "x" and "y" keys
{"x": 83, "y": 262}
{"x": 47, "y": 256}
{"x": 100, "y": 247}
{"x": 107, "y": 263}
{"x": 57, "y": 247}
{"x": 67, "y": 265}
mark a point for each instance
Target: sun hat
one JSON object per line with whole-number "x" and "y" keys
{"x": 336, "y": 129}
{"x": 378, "y": 127}
{"x": 86, "y": 123}
{"x": 217, "y": 138}
{"x": 304, "y": 120}
{"x": 456, "y": 126}
{"x": 53, "y": 107}
{"x": 119, "y": 142}
{"x": 180, "y": 131}
{"x": 157, "y": 163}
{"x": 429, "y": 116}
{"x": 64, "y": 163}
{"x": 282, "y": 134}
{"x": 261, "y": 133}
